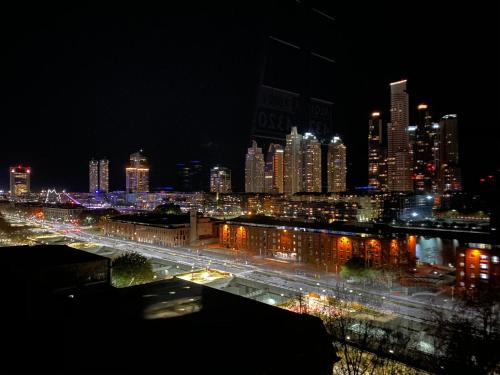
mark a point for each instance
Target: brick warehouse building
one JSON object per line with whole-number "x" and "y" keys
{"x": 478, "y": 265}
{"x": 316, "y": 244}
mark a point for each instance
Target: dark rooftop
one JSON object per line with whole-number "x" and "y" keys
{"x": 44, "y": 255}
{"x": 154, "y": 219}
{"x": 156, "y": 327}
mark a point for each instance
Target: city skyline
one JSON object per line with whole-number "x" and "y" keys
{"x": 439, "y": 82}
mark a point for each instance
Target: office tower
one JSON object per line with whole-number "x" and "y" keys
{"x": 254, "y": 170}
{"x": 399, "y": 160}
{"x": 273, "y": 179}
{"x": 423, "y": 151}
{"x": 103, "y": 175}
{"x": 311, "y": 164}
{"x": 449, "y": 169}
{"x": 137, "y": 174}
{"x": 19, "y": 180}
{"x": 93, "y": 176}
{"x": 292, "y": 179}
{"x": 377, "y": 176}
{"x": 220, "y": 179}
{"x": 191, "y": 176}
{"x": 337, "y": 166}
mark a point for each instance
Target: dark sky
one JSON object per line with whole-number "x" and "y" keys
{"x": 91, "y": 81}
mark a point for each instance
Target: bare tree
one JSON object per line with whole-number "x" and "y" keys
{"x": 468, "y": 336}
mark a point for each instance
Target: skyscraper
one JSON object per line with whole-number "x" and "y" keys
{"x": 273, "y": 178}
{"x": 137, "y": 174}
{"x": 377, "y": 173}
{"x": 104, "y": 175}
{"x": 220, "y": 179}
{"x": 19, "y": 180}
{"x": 311, "y": 164}
{"x": 254, "y": 170}
{"x": 449, "y": 169}
{"x": 423, "y": 151}
{"x": 399, "y": 160}
{"x": 292, "y": 178}
{"x": 93, "y": 176}
{"x": 337, "y": 166}
{"x": 191, "y": 176}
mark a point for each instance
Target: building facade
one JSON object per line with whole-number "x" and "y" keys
{"x": 477, "y": 266}
{"x": 399, "y": 161}
{"x": 137, "y": 174}
{"x": 337, "y": 166}
{"x": 273, "y": 177}
{"x": 220, "y": 179}
{"x": 325, "y": 248}
{"x": 423, "y": 152}
{"x": 20, "y": 180}
{"x": 254, "y": 170}
{"x": 292, "y": 179}
{"x": 311, "y": 164}
{"x": 162, "y": 232}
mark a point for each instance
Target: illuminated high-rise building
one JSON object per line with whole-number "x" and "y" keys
{"x": 423, "y": 151}
{"x": 137, "y": 174}
{"x": 292, "y": 178}
{"x": 93, "y": 176}
{"x": 399, "y": 160}
{"x": 104, "y": 175}
{"x": 19, "y": 180}
{"x": 449, "y": 168}
{"x": 377, "y": 167}
{"x": 220, "y": 179}
{"x": 254, "y": 170}
{"x": 336, "y": 166}
{"x": 273, "y": 178}
{"x": 311, "y": 164}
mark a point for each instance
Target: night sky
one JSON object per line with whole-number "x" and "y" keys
{"x": 92, "y": 81}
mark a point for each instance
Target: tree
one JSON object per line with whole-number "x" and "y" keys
{"x": 131, "y": 269}
{"x": 363, "y": 346}
{"x": 357, "y": 269}
{"x": 468, "y": 336}
{"x": 168, "y": 209}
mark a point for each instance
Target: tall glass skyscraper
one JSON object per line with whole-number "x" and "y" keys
{"x": 220, "y": 179}
{"x": 292, "y": 178}
{"x": 377, "y": 168}
{"x": 311, "y": 164}
{"x": 449, "y": 171}
{"x": 337, "y": 166}
{"x": 273, "y": 177}
{"x": 137, "y": 174}
{"x": 19, "y": 180}
{"x": 254, "y": 170}
{"x": 399, "y": 161}
{"x": 104, "y": 175}
{"x": 93, "y": 176}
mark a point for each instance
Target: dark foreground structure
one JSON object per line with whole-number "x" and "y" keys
{"x": 77, "y": 327}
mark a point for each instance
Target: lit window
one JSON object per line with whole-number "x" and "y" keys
{"x": 483, "y": 266}
{"x": 484, "y": 257}
{"x": 462, "y": 264}
{"x": 484, "y": 276}
{"x": 494, "y": 259}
